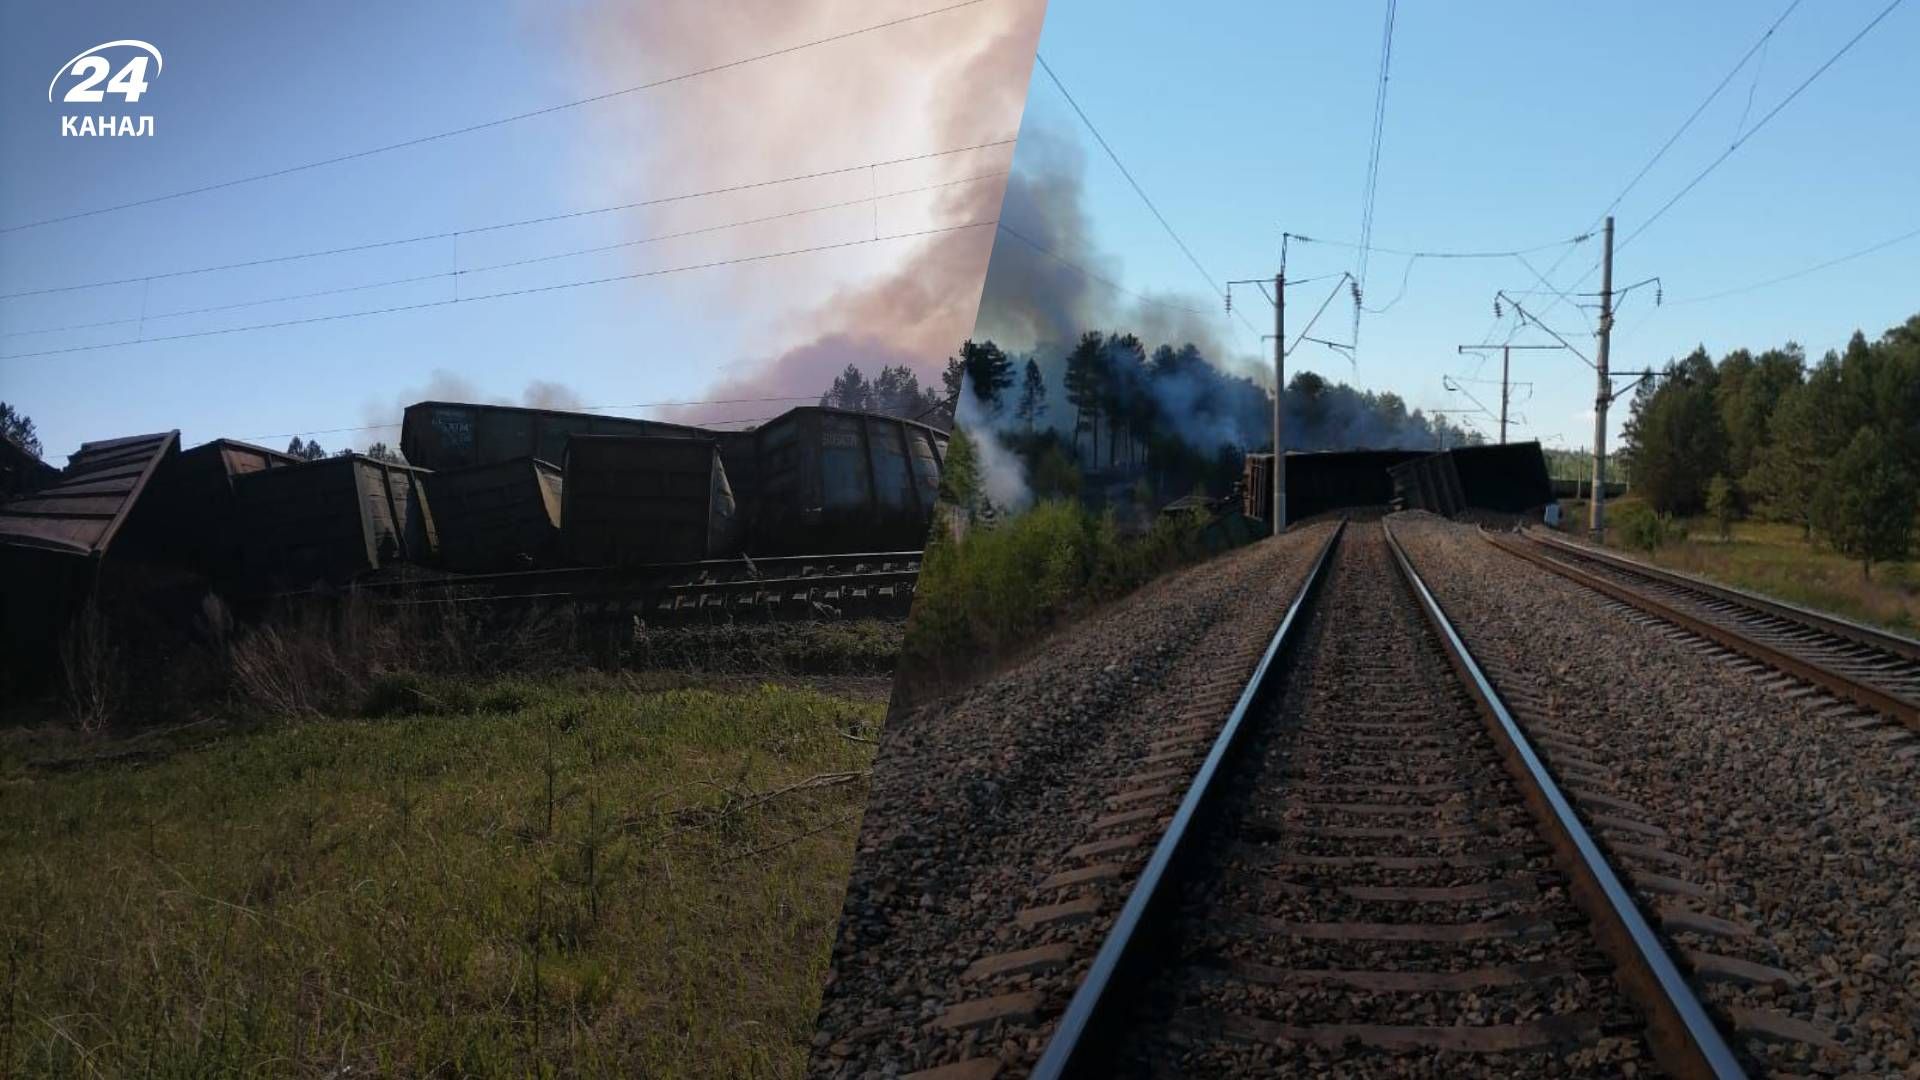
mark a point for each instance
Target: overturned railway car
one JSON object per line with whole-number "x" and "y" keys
{"x": 1507, "y": 478}
{"x": 499, "y": 516}
{"x": 55, "y": 542}
{"x": 645, "y": 499}
{"x": 332, "y": 520}
{"x": 832, "y": 480}
{"x": 442, "y": 435}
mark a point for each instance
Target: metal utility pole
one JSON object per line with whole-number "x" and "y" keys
{"x": 1506, "y": 368}
{"x": 1279, "y": 395}
{"x": 1279, "y": 298}
{"x": 1506, "y": 372}
{"x": 1603, "y": 396}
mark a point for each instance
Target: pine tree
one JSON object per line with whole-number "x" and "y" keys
{"x": 17, "y": 428}
{"x": 1033, "y": 396}
{"x": 1082, "y": 385}
{"x": 1865, "y": 504}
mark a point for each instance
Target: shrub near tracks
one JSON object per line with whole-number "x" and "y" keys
{"x": 565, "y": 877}
{"x": 1799, "y": 817}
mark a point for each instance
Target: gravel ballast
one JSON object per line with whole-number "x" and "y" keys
{"x": 1006, "y": 826}
{"x": 1777, "y": 831}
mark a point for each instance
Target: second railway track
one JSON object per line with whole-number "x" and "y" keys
{"x": 1374, "y": 874}
{"x": 1873, "y": 669}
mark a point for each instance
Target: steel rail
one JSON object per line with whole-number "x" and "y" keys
{"x": 1082, "y": 1040}
{"x": 1837, "y": 683}
{"x": 580, "y": 578}
{"x": 726, "y": 591}
{"x": 1859, "y": 633}
{"x": 1683, "y": 1037}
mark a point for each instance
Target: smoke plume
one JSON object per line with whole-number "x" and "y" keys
{"x": 950, "y": 80}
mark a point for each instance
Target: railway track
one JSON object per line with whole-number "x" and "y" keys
{"x": 1373, "y": 872}
{"x": 854, "y": 585}
{"x": 1870, "y": 668}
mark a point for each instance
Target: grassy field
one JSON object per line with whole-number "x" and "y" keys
{"x": 584, "y": 875}
{"x": 1777, "y": 560}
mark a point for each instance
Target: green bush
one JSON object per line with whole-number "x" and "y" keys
{"x": 983, "y": 596}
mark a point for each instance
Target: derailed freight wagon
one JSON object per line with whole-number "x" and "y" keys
{"x": 441, "y": 435}
{"x": 194, "y": 521}
{"x": 55, "y": 541}
{"x": 332, "y": 520}
{"x": 500, "y": 516}
{"x": 836, "y": 480}
{"x": 645, "y": 499}
{"x": 1509, "y": 478}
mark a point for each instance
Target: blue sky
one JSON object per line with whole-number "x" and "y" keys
{"x": 1508, "y": 125}
{"x": 248, "y": 88}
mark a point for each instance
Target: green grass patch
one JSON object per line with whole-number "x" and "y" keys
{"x": 984, "y": 596}
{"x": 1778, "y": 560}
{"x": 474, "y": 877}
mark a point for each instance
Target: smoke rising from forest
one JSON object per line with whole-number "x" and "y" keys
{"x": 1044, "y": 290}
{"x": 865, "y": 97}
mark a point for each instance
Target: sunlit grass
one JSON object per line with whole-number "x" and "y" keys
{"x": 1778, "y": 560}
{"x": 571, "y": 877}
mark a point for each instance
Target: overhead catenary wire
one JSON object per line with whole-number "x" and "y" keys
{"x": 1802, "y": 272}
{"x": 498, "y": 226}
{"x": 1741, "y": 139}
{"x": 497, "y": 122}
{"x": 1092, "y": 276}
{"x": 1205, "y": 274}
{"x": 1685, "y": 126}
{"x": 528, "y": 291}
{"x": 1370, "y": 186}
{"x": 511, "y": 263}
{"x": 1647, "y": 223}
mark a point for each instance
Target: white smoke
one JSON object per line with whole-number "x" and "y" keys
{"x": 1002, "y": 476}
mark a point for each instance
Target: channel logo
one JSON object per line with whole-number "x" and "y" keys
{"x": 92, "y": 77}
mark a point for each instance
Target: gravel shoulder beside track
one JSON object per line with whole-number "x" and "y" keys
{"x": 1793, "y": 812}
{"x": 976, "y": 801}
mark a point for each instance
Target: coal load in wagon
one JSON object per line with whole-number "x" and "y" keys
{"x": 832, "y": 480}
{"x": 645, "y": 499}
{"x": 333, "y": 520}
{"x": 502, "y": 516}
{"x": 441, "y": 435}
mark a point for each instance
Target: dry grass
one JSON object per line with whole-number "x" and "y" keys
{"x": 1777, "y": 559}
{"x": 564, "y": 877}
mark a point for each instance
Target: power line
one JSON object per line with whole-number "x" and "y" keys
{"x": 1371, "y": 185}
{"x": 1137, "y": 189}
{"x": 1084, "y": 272}
{"x": 1695, "y": 115}
{"x": 1686, "y": 124}
{"x": 1446, "y": 254}
{"x": 510, "y": 264}
{"x": 1849, "y": 257}
{"x": 531, "y": 290}
{"x": 484, "y": 125}
{"x": 1762, "y": 122}
{"x": 498, "y": 226}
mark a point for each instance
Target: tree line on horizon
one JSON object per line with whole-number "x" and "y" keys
{"x": 1833, "y": 447}
{"x": 1108, "y": 393}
